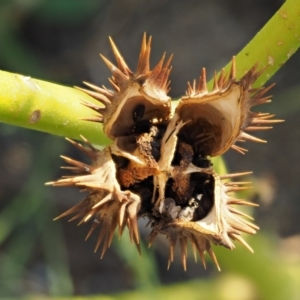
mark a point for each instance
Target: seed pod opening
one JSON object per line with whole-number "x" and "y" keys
{"x": 136, "y": 97}
{"x": 216, "y": 120}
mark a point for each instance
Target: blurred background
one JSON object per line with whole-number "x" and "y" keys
{"x": 59, "y": 41}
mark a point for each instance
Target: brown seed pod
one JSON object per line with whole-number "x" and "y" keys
{"x": 158, "y": 165}
{"x": 207, "y": 216}
{"x": 218, "y": 119}
{"x": 137, "y": 95}
{"x": 106, "y": 203}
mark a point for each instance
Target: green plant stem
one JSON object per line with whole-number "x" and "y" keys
{"x": 47, "y": 107}
{"x": 56, "y": 109}
{"x": 273, "y": 45}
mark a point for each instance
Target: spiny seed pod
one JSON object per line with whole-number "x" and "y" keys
{"x": 138, "y": 97}
{"x": 106, "y": 203}
{"x": 218, "y": 119}
{"x": 158, "y": 165}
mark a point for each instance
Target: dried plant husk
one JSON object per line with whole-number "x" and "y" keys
{"x": 216, "y": 120}
{"x": 159, "y": 165}
{"x": 108, "y": 205}
{"x": 206, "y": 217}
{"x": 136, "y": 96}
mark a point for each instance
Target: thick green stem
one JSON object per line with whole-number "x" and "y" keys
{"x": 56, "y": 109}
{"x": 47, "y": 107}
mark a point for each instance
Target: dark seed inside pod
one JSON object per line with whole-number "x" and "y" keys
{"x": 143, "y": 125}
{"x": 199, "y": 200}
{"x": 201, "y": 162}
{"x": 188, "y": 196}
{"x": 138, "y": 113}
{"x": 143, "y": 143}
{"x": 157, "y": 138}
{"x": 201, "y": 135}
{"x": 203, "y": 195}
{"x": 145, "y": 190}
{"x": 120, "y": 162}
{"x": 139, "y": 125}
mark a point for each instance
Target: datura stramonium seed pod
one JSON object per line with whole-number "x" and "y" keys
{"x": 158, "y": 165}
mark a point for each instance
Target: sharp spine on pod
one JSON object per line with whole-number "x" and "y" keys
{"x": 159, "y": 165}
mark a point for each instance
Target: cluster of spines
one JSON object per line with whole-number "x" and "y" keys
{"x": 110, "y": 207}
{"x": 236, "y": 223}
{"x": 255, "y": 121}
{"x": 122, "y": 76}
{"x": 220, "y": 83}
{"x": 201, "y": 240}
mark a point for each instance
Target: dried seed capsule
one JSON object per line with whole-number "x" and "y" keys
{"x": 106, "y": 203}
{"x": 144, "y": 89}
{"x": 217, "y": 119}
{"x": 158, "y": 165}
